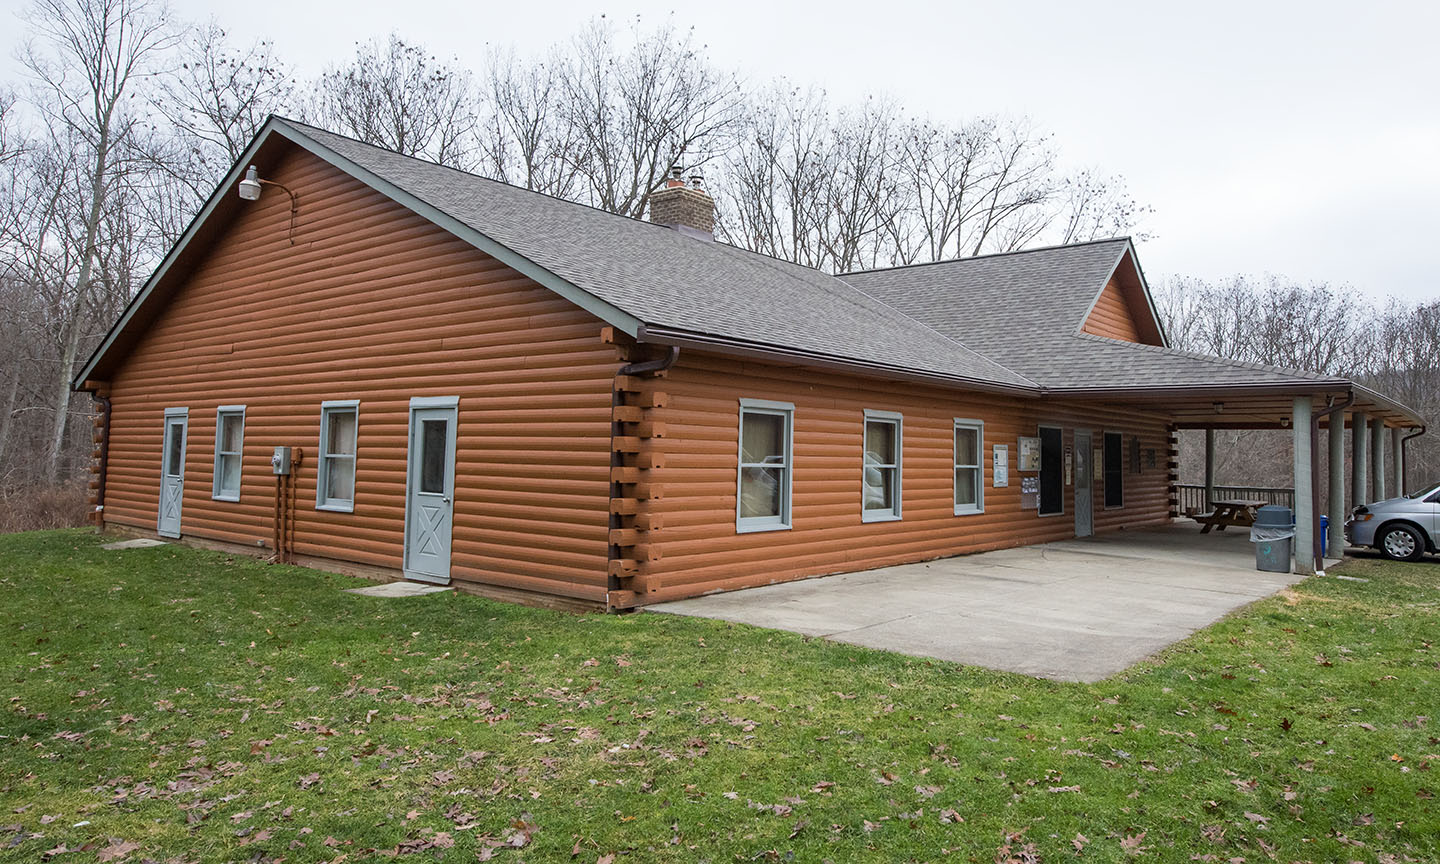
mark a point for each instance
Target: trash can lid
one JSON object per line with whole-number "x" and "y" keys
{"x": 1272, "y": 515}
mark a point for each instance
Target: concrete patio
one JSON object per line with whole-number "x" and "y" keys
{"x": 1079, "y": 610}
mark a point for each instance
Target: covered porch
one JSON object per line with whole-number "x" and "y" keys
{"x": 1365, "y": 466}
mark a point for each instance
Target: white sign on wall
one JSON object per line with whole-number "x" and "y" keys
{"x": 1001, "y": 472}
{"x": 1029, "y": 454}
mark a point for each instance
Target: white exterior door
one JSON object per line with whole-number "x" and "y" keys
{"x": 430, "y": 489}
{"x": 1084, "y": 481}
{"x": 172, "y": 472}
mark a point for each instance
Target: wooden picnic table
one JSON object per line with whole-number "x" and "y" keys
{"x": 1238, "y": 511}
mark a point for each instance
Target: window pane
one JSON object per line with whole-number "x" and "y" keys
{"x": 340, "y": 479}
{"x": 760, "y": 491}
{"x": 433, "y": 443}
{"x": 230, "y": 433}
{"x": 966, "y": 486}
{"x": 879, "y": 488}
{"x": 341, "y": 434}
{"x": 879, "y": 442}
{"x": 175, "y": 440}
{"x": 966, "y": 446}
{"x": 762, "y": 439}
{"x": 230, "y": 475}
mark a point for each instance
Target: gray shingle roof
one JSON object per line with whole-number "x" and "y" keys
{"x": 667, "y": 279}
{"x": 1026, "y": 309}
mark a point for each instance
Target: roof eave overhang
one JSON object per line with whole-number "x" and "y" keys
{"x": 1365, "y": 397}
{"x": 276, "y": 126}
{"x": 795, "y": 356}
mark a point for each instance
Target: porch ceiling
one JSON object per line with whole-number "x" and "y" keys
{"x": 1220, "y": 409}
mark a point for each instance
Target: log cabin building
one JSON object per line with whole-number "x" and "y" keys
{"x": 533, "y": 399}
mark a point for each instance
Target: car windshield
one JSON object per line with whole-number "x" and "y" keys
{"x": 1426, "y": 492}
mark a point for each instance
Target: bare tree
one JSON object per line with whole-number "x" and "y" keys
{"x": 769, "y": 189}
{"x": 1094, "y": 206}
{"x": 395, "y": 95}
{"x": 524, "y": 137}
{"x": 635, "y": 113}
{"x": 214, "y": 99}
{"x": 88, "y": 57}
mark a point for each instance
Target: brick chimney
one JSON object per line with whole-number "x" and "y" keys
{"x": 686, "y": 208}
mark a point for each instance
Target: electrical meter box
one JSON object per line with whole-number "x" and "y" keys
{"x": 281, "y": 462}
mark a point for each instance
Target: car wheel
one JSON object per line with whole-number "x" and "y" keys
{"x": 1401, "y": 543}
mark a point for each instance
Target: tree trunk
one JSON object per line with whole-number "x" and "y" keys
{"x": 73, "y": 328}
{"x": 7, "y": 413}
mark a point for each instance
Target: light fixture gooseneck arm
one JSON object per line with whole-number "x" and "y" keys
{"x": 294, "y": 205}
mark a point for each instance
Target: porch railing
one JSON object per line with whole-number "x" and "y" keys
{"x": 1192, "y": 497}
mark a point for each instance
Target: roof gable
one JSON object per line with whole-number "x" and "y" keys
{"x": 1124, "y": 309}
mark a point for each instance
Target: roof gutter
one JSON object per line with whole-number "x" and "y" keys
{"x": 780, "y": 354}
{"x": 1334, "y": 385}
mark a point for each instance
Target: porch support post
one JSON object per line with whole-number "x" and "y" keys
{"x": 1397, "y": 456}
{"x": 1377, "y": 460}
{"x": 1335, "y": 543}
{"x": 1209, "y": 470}
{"x": 1304, "y": 488}
{"x": 1360, "y": 448}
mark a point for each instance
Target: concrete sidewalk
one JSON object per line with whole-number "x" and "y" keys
{"x": 1079, "y": 610}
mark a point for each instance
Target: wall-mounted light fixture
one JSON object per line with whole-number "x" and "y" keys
{"x": 251, "y": 187}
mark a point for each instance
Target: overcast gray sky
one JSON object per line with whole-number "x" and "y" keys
{"x": 1299, "y": 138}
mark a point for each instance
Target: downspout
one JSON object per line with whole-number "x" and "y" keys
{"x": 105, "y": 408}
{"x": 1319, "y": 536}
{"x": 1401, "y": 454}
{"x": 646, "y": 367}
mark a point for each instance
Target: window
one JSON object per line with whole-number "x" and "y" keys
{"x": 1114, "y": 470}
{"x": 335, "y": 485}
{"x": 1052, "y": 471}
{"x": 229, "y": 440}
{"x": 969, "y": 472}
{"x": 881, "y": 472}
{"x": 763, "y": 485}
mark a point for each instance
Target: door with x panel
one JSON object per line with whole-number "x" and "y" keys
{"x": 172, "y": 472}
{"x": 430, "y": 490}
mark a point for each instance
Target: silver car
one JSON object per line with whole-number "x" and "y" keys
{"x": 1402, "y": 529}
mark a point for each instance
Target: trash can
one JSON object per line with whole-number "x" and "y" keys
{"x": 1273, "y": 533}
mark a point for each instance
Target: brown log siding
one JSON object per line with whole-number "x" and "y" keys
{"x": 374, "y": 303}
{"x": 703, "y": 552}
{"x": 1111, "y": 316}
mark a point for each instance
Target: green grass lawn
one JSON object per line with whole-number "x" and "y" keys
{"x": 173, "y": 704}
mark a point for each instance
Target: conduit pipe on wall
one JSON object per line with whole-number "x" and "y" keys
{"x": 1318, "y": 535}
{"x": 644, "y": 367}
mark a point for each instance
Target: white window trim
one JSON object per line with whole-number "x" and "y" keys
{"x": 322, "y": 465}
{"x": 754, "y": 524}
{"x": 434, "y": 402}
{"x": 894, "y": 514}
{"x": 1105, "y": 475}
{"x": 220, "y": 413}
{"x": 1039, "y": 498}
{"x": 979, "y": 427}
